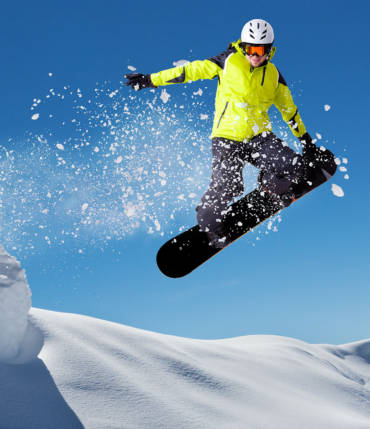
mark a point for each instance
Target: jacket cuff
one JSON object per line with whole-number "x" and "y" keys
{"x": 149, "y": 81}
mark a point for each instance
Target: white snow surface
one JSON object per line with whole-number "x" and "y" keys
{"x": 96, "y": 374}
{"x": 70, "y": 371}
{"x": 15, "y": 302}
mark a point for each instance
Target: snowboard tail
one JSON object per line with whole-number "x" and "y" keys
{"x": 182, "y": 254}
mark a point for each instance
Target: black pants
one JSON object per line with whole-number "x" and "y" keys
{"x": 279, "y": 167}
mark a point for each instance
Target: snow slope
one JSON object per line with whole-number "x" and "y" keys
{"x": 96, "y": 374}
{"x": 69, "y": 371}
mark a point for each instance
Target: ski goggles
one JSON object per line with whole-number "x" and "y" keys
{"x": 257, "y": 50}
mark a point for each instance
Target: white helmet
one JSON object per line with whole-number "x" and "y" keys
{"x": 258, "y": 32}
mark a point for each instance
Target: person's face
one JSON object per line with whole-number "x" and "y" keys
{"x": 255, "y": 61}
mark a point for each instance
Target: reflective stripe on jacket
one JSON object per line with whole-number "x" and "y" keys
{"x": 244, "y": 94}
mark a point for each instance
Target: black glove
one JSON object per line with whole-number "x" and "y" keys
{"x": 139, "y": 81}
{"x": 314, "y": 156}
{"x": 309, "y": 149}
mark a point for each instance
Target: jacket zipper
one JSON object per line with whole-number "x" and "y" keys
{"x": 263, "y": 76}
{"x": 252, "y": 69}
{"x": 222, "y": 114}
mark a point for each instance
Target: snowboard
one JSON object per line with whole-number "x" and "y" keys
{"x": 187, "y": 251}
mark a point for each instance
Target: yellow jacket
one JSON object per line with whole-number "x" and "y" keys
{"x": 244, "y": 94}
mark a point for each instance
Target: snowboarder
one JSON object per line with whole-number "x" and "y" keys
{"x": 248, "y": 84}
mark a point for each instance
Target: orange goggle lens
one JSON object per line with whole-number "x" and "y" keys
{"x": 258, "y": 50}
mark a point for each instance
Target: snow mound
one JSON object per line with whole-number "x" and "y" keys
{"x": 94, "y": 374}
{"x": 15, "y": 302}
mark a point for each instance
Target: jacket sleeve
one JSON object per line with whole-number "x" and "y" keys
{"x": 205, "y": 69}
{"x": 289, "y": 111}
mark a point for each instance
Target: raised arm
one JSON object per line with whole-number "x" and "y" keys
{"x": 195, "y": 70}
{"x": 192, "y": 71}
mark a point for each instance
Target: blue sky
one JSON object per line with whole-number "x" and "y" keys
{"x": 309, "y": 280}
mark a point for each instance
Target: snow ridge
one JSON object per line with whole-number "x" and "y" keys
{"x": 15, "y": 302}
{"x": 78, "y": 372}
{"x": 115, "y": 376}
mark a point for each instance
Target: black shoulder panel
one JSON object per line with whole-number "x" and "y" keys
{"x": 221, "y": 58}
{"x": 281, "y": 78}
